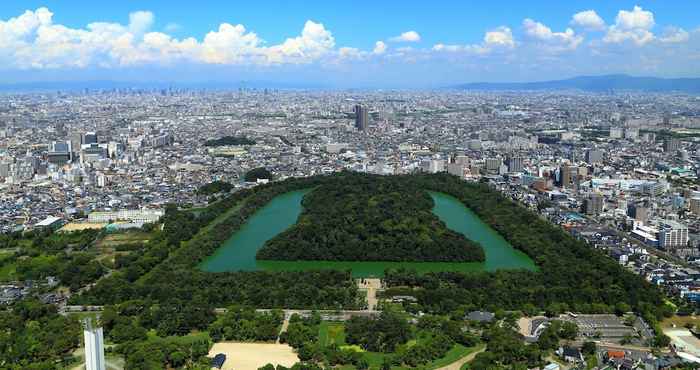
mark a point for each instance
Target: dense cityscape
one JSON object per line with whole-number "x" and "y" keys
{"x": 366, "y": 185}
{"x": 617, "y": 170}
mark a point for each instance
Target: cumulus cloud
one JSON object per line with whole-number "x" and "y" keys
{"x": 140, "y": 22}
{"x": 500, "y": 38}
{"x": 674, "y": 35}
{"x": 32, "y": 40}
{"x": 379, "y": 47}
{"x": 589, "y": 20}
{"x": 634, "y": 26}
{"x": 408, "y": 36}
{"x": 553, "y": 41}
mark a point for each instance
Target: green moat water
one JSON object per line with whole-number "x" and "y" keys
{"x": 238, "y": 252}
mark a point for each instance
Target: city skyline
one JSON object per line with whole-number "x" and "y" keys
{"x": 363, "y": 45}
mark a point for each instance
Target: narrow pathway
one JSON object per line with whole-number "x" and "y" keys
{"x": 458, "y": 364}
{"x": 371, "y": 286}
{"x": 285, "y": 325}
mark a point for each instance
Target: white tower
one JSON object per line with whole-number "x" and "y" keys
{"x": 94, "y": 346}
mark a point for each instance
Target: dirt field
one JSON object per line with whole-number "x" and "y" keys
{"x": 251, "y": 356}
{"x": 77, "y": 226}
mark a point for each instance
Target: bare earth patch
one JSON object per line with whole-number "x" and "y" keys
{"x": 251, "y": 356}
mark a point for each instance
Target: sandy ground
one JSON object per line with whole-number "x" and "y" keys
{"x": 524, "y": 325}
{"x": 251, "y": 356}
{"x": 76, "y": 226}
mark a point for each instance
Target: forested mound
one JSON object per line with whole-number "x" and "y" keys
{"x": 370, "y": 218}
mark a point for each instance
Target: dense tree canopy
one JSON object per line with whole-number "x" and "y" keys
{"x": 214, "y": 188}
{"x": 229, "y": 140}
{"x": 370, "y": 218}
{"x": 381, "y": 334}
{"x": 34, "y": 336}
{"x": 570, "y": 276}
{"x": 257, "y": 173}
{"x": 244, "y": 324}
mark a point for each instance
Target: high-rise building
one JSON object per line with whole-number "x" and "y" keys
{"x": 638, "y": 212}
{"x": 616, "y": 133}
{"x": 672, "y": 234}
{"x": 59, "y": 153}
{"x": 493, "y": 165}
{"x": 593, "y": 205}
{"x": 89, "y": 138}
{"x": 361, "y": 118}
{"x": 671, "y": 145}
{"x": 694, "y": 206}
{"x": 515, "y": 164}
{"x": 593, "y": 156}
{"x": 433, "y": 165}
{"x": 568, "y": 175}
{"x": 94, "y": 346}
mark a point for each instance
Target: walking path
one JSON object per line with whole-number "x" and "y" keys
{"x": 371, "y": 286}
{"x": 285, "y": 325}
{"x": 459, "y": 363}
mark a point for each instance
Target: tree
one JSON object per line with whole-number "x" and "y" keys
{"x": 588, "y": 348}
{"x": 258, "y": 173}
{"x": 661, "y": 341}
{"x": 362, "y": 364}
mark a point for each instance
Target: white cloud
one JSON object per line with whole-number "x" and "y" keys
{"x": 140, "y": 22}
{"x": 408, "y": 36}
{"x": 674, "y": 35}
{"x": 379, "y": 47}
{"x": 314, "y": 42}
{"x": 589, "y": 20}
{"x": 230, "y": 44}
{"x": 552, "y": 41}
{"x": 33, "y": 41}
{"x": 634, "y": 26}
{"x": 500, "y": 38}
{"x": 637, "y": 18}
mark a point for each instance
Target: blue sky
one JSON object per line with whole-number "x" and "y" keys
{"x": 347, "y": 44}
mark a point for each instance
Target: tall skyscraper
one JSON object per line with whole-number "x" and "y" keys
{"x": 361, "y": 118}
{"x": 593, "y": 205}
{"x": 94, "y": 346}
{"x": 515, "y": 164}
{"x": 568, "y": 175}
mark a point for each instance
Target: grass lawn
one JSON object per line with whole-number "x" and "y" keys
{"x": 457, "y": 352}
{"x": 330, "y": 333}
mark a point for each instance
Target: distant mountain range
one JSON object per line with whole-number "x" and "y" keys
{"x": 595, "y": 84}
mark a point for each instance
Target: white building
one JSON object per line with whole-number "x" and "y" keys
{"x": 131, "y": 215}
{"x": 94, "y": 347}
{"x": 672, "y": 234}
